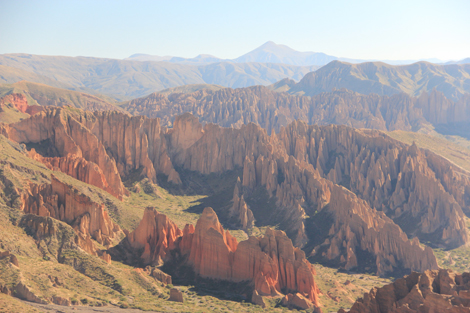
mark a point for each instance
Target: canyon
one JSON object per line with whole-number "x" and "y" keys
{"x": 349, "y": 198}
{"x": 385, "y": 183}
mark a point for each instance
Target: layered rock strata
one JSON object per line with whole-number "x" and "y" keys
{"x": 428, "y": 292}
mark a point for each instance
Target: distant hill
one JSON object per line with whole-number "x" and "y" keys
{"x": 383, "y": 79}
{"x": 40, "y": 94}
{"x": 463, "y": 61}
{"x": 270, "y": 52}
{"x": 124, "y": 79}
{"x": 190, "y": 88}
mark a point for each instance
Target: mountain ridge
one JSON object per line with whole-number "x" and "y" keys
{"x": 270, "y": 52}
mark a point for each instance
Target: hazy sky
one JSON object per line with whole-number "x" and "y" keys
{"x": 411, "y": 29}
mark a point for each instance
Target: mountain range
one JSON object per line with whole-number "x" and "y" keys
{"x": 383, "y": 79}
{"x": 124, "y": 79}
{"x": 179, "y": 185}
{"x": 271, "y": 52}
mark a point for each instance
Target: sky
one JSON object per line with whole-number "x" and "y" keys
{"x": 380, "y": 29}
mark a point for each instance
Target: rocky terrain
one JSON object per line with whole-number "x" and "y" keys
{"x": 348, "y": 198}
{"x": 431, "y": 291}
{"x": 384, "y": 79}
{"x": 299, "y": 169}
{"x": 272, "y": 110}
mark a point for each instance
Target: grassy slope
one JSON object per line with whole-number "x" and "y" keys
{"x": 41, "y": 94}
{"x": 457, "y": 151}
{"x": 124, "y": 79}
{"x": 385, "y": 79}
{"x": 93, "y": 282}
{"x": 190, "y": 88}
{"x": 137, "y": 291}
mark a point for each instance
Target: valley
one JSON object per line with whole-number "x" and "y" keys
{"x": 276, "y": 181}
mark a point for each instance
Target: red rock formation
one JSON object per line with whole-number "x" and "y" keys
{"x": 63, "y": 202}
{"x": 176, "y": 295}
{"x": 68, "y": 136}
{"x": 406, "y": 183}
{"x": 295, "y": 166}
{"x": 272, "y": 110}
{"x": 76, "y": 167}
{"x": 271, "y": 262}
{"x": 209, "y": 248}
{"x": 134, "y": 142}
{"x": 157, "y": 234}
{"x": 428, "y": 292}
{"x": 240, "y": 209}
{"x": 20, "y": 102}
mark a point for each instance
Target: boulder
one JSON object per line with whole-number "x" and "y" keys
{"x": 176, "y": 295}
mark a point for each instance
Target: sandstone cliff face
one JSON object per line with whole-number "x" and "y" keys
{"x": 270, "y": 262}
{"x": 133, "y": 142}
{"x": 209, "y": 248}
{"x": 299, "y": 167}
{"x": 89, "y": 219}
{"x": 76, "y": 167}
{"x": 68, "y": 136}
{"x": 298, "y": 187}
{"x": 428, "y": 292}
{"x": 157, "y": 234}
{"x": 356, "y": 227}
{"x": 404, "y": 182}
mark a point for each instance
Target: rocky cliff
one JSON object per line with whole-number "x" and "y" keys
{"x": 272, "y": 110}
{"x": 60, "y": 130}
{"x": 299, "y": 169}
{"x": 156, "y": 234}
{"x": 422, "y": 192}
{"x": 63, "y": 202}
{"x": 431, "y": 291}
{"x": 271, "y": 263}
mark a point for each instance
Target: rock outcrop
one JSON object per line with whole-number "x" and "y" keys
{"x": 61, "y": 201}
{"x": 428, "y": 292}
{"x": 156, "y": 234}
{"x": 270, "y": 262}
{"x": 271, "y": 110}
{"x": 240, "y": 209}
{"x": 299, "y": 168}
{"x": 11, "y": 257}
{"x": 209, "y": 248}
{"x": 20, "y": 102}
{"x": 407, "y": 183}
{"x": 76, "y": 167}
{"x": 176, "y": 295}
{"x": 62, "y": 129}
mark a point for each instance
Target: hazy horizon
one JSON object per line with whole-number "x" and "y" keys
{"x": 118, "y": 29}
